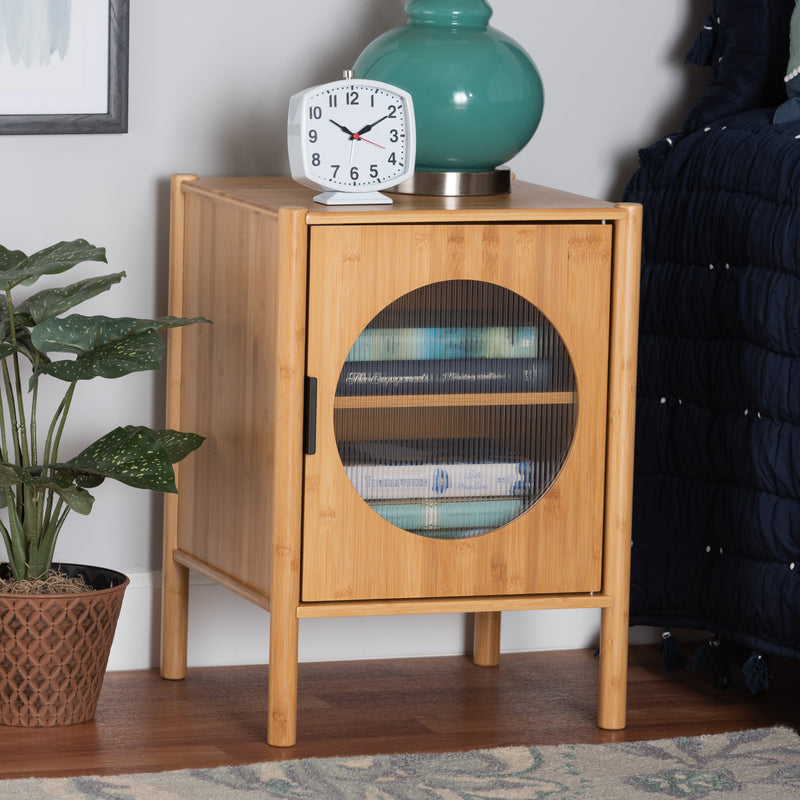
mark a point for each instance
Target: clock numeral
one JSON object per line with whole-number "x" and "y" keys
{"x": 333, "y": 100}
{"x": 352, "y": 98}
{"x": 393, "y": 135}
{"x": 373, "y": 170}
{"x": 312, "y": 135}
{"x": 315, "y": 112}
{"x": 353, "y": 174}
{"x": 335, "y": 168}
{"x": 315, "y": 159}
{"x": 392, "y": 158}
{"x": 372, "y": 100}
{"x": 392, "y": 112}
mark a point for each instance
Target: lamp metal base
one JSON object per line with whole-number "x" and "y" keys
{"x": 456, "y": 184}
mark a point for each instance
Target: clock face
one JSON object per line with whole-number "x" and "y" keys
{"x": 351, "y": 135}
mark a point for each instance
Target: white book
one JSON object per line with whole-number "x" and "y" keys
{"x": 416, "y": 481}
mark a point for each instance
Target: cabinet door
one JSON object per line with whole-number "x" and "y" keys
{"x": 461, "y": 410}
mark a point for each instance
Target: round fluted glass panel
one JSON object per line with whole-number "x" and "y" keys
{"x": 455, "y": 409}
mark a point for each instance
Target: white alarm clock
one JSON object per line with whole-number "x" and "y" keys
{"x": 351, "y": 138}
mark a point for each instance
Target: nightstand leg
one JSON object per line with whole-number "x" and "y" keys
{"x": 619, "y": 469}
{"x": 486, "y": 650}
{"x": 282, "y": 695}
{"x": 613, "y": 670}
{"x": 175, "y": 577}
{"x": 174, "y": 619}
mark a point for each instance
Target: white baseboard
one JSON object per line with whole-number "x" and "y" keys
{"x": 224, "y": 630}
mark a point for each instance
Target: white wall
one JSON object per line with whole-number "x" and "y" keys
{"x": 209, "y": 84}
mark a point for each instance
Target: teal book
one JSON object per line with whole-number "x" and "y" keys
{"x": 433, "y": 515}
{"x": 418, "y": 344}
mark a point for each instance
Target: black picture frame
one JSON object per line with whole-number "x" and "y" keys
{"x": 115, "y": 120}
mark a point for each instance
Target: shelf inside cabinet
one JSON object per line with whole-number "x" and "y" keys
{"x": 455, "y": 400}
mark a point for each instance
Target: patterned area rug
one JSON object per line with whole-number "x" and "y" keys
{"x": 751, "y": 765}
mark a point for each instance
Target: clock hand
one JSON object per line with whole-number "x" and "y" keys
{"x": 370, "y": 127}
{"x": 346, "y": 130}
{"x": 362, "y": 139}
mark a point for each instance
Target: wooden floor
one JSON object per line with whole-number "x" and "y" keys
{"x": 218, "y": 715}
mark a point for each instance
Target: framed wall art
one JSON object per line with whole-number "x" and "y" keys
{"x": 64, "y": 66}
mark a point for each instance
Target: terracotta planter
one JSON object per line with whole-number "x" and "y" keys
{"x": 54, "y": 649}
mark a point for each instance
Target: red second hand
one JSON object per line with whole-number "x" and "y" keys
{"x": 361, "y": 138}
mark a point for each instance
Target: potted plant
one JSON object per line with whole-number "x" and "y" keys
{"x": 50, "y": 614}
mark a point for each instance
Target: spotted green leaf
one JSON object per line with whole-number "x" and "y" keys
{"x": 75, "y": 497}
{"x": 104, "y": 347}
{"x": 80, "y": 335}
{"x": 52, "y": 302}
{"x": 112, "y": 359}
{"x": 85, "y": 480}
{"x": 136, "y": 456}
{"x": 178, "y": 444}
{"x": 10, "y": 258}
{"x": 17, "y": 268}
{"x": 21, "y": 317}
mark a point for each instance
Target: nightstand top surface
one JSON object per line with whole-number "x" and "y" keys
{"x": 525, "y": 201}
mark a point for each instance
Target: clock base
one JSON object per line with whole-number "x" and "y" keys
{"x": 456, "y": 184}
{"x": 352, "y": 198}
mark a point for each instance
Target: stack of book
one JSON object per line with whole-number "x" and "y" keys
{"x": 444, "y": 360}
{"x": 445, "y": 488}
{"x": 449, "y": 488}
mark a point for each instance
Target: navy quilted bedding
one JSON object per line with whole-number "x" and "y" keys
{"x": 716, "y": 540}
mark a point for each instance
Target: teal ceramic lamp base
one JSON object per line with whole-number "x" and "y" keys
{"x": 478, "y": 97}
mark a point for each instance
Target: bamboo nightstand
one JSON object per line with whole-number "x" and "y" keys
{"x": 419, "y": 408}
